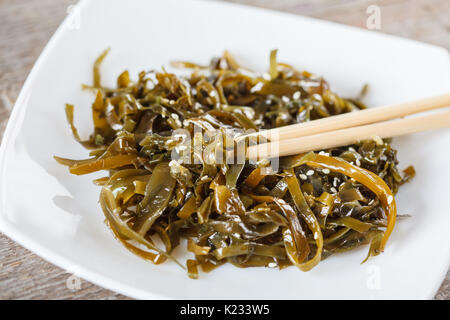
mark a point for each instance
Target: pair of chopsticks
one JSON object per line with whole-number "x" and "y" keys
{"x": 350, "y": 128}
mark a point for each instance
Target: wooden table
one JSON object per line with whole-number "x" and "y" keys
{"x": 26, "y": 26}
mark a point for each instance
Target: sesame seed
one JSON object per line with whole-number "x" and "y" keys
{"x": 272, "y": 265}
{"x": 172, "y": 163}
{"x": 316, "y": 235}
{"x": 257, "y": 87}
{"x": 303, "y": 176}
{"x": 358, "y": 163}
{"x": 266, "y": 76}
{"x": 285, "y": 99}
{"x": 335, "y": 182}
{"x": 326, "y": 171}
{"x": 296, "y": 95}
{"x": 378, "y": 140}
{"x": 223, "y": 64}
{"x": 310, "y": 173}
{"x": 390, "y": 199}
{"x": 333, "y": 189}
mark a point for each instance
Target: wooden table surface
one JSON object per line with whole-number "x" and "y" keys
{"x": 27, "y": 25}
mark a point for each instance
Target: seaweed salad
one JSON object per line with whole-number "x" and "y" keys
{"x": 158, "y": 138}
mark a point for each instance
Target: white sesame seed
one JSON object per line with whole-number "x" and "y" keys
{"x": 333, "y": 189}
{"x": 316, "y": 235}
{"x": 351, "y": 149}
{"x": 390, "y": 199}
{"x": 303, "y": 176}
{"x": 296, "y": 95}
{"x": 310, "y": 173}
{"x": 285, "y": 99}
{"x": 323, "y": 153}
{"x": 257, "y": 87}
{"x": 175, "y": 116}
{"x": 326, "y": 171}
{"x": 172, "y": 163}
{"x": 272, "y": 265}
{"x": 378, "y": 140}
{"x": 335, "y": 182}
{"x": 358, "y": 163}
{"x": 266, "y": 76}
{"x": 223, "y": 64}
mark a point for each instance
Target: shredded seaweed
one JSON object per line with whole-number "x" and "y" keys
{"x": 245, "y": 213}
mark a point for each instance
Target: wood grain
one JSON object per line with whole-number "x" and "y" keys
{"x": 26, "y": 26}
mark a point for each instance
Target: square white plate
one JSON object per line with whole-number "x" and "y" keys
{"x": 57, "y": 215}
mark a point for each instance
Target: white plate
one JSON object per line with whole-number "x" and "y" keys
{"x": 57, "y": 215}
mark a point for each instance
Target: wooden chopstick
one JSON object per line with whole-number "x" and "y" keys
{"x": 353, "y": 119}
{"x": 347, "y": 136}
